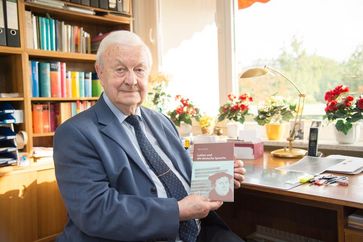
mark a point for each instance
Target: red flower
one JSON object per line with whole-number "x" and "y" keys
{"x": 340, "y": 107}
{"x": 236, "y": 108}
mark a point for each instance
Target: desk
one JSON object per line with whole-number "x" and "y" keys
{"x": 307, "y": 210}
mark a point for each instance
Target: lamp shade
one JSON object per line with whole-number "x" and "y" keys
{"x": 254, "y": 72}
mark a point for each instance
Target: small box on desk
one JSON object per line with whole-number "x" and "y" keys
{"x": 247, "y": 149}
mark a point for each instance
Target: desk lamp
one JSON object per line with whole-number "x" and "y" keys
{"x": 286, "y": 152}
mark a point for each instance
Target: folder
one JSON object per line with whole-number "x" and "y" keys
{"x": 2, "y": 24}
{"x": 12, "y": 23}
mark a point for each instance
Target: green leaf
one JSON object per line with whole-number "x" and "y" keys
{"x": 343, "y": 126}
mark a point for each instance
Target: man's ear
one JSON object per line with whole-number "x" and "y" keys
{"x": 99, "y": 71}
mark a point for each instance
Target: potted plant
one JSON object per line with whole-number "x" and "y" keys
{"x": 183, "y": 114}
{"x": 272, "y": 113}
{"x": 345, "y": 110}
{"x": 158, "y": 98}
{"x": 236, "y": 109}
{"x": 206, "y": 122}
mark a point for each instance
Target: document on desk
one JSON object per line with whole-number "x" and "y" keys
{"x": 349, "y": 165}
{"x": 213, "y": 171}
{"x": 273, "y": 178}
{"x": 312, "y": 165}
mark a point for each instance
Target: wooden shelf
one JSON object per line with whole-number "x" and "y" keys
{"x": 61, "y": 99}
{"x": 43, "y": 135}
{"x": 61, "y": 55}
{"x": 79, "y": 17}
{"x": 11, "y": 99}
{"x": 5, "y": 50}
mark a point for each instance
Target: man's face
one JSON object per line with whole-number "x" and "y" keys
{"x": 222, "y": 186}
{"x": 124, "y": 75}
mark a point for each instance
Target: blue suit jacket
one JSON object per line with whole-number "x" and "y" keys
{"x": 106, "y": 188}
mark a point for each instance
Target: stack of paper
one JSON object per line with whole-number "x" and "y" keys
{"x": 350, "y": 164}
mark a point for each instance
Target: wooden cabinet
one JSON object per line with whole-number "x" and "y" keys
{"x": 30, "y": 204}
{"x": 353, "y": 235}
{"x": 14, "y": 61}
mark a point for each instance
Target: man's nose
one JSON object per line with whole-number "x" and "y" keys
{"x": 131, "y": 78}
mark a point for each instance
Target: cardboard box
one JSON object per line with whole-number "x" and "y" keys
{"x": 247, "y": 150}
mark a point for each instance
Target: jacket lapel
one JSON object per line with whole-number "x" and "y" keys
{"x": 112, "y": 128}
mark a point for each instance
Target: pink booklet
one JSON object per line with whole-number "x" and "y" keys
{"x": 213, "y": 169}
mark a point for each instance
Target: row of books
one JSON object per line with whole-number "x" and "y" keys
{"x": 122, "y": 6}
{"x": 355, "y": 220}
{"x": 8, "y": 150}
{"x": 51, "y": 79}
{"x": 46, "y": 33}
{"x": 48, "y": 116}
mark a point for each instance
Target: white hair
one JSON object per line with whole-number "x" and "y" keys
{"x": 122, "y": 37}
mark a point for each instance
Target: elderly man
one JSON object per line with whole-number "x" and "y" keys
{"x": 121, "y": 168}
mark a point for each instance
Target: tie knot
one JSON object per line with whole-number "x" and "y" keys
{"x": 132, "y": 119}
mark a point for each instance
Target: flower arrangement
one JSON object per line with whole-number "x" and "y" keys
{"x": 343, "y": 108}
{"x": 158, "y": 98}
{"x": 184, "y": 112}
{"x": 205, "y": 123}
{"x": 275, "y": 110}
{"x": 236, "y": 108}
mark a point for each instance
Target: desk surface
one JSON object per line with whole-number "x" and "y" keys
{"x": 351, "y": 195}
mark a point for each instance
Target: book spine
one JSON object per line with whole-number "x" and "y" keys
{"x": 81, "y": 83}
{"x": 35, "y": 78}
{"x": 75, "y": 84}
{"x": 55, "y": 79}
{"x": 37, "y": 118}
{"x": 44, "y": 79}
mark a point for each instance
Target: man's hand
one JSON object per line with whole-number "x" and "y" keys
{"x": 239, "y": 172}
{"x": 196, "y": 207}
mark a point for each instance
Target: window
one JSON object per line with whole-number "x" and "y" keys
{"x": 316, "y": 43}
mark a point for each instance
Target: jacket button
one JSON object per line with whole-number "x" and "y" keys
{"x": 153, "y": 190}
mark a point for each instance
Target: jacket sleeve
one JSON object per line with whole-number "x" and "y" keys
{"x": 98, "y": 209}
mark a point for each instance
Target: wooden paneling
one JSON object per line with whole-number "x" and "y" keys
{"x": 18, "y": 211}
{"x": 52, "y": 215}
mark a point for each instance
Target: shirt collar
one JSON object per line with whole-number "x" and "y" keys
{"x": 120, "y": 115}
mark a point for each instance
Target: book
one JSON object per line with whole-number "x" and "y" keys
{"x": 37, "y": 118}
{"x": 55, "y": 79}
{"x": 44, "y": 79}
{"x": 213, "y": 171}
{"x": 35, "y": 78}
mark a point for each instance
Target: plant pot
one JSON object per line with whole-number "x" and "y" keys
{"x": 185, "y": 129}
{"x": 351, "y": 137}
{"x": 206, "y": 130}
{"x": 233, "y": 129}
{"x": 274, "y": 131}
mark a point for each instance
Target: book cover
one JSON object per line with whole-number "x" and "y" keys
{"x": 213, "y": 171}
{"x": 81, "y": 84}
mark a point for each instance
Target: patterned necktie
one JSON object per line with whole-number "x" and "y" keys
{"x": 188, "y": 230}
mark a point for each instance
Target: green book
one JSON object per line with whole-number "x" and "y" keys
{"x": 44, "y": 79}
{"x": 97, "y": 88}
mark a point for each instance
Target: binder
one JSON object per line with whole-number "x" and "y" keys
{"x": 103, "y": 4}
{"x": 2, "y": 24}
{"x": 94, "y": 3}
{"x": 12, "y": 23}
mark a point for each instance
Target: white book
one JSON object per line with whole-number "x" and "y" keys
{"x": 350, "y": 164}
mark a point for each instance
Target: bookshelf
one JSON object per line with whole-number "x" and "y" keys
{"x": 30, "y": 203}
{"x": 15, "y": 71}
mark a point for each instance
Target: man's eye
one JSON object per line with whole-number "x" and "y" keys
{"x": 140, "y": 70}
{"x": 121, "y": 69}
